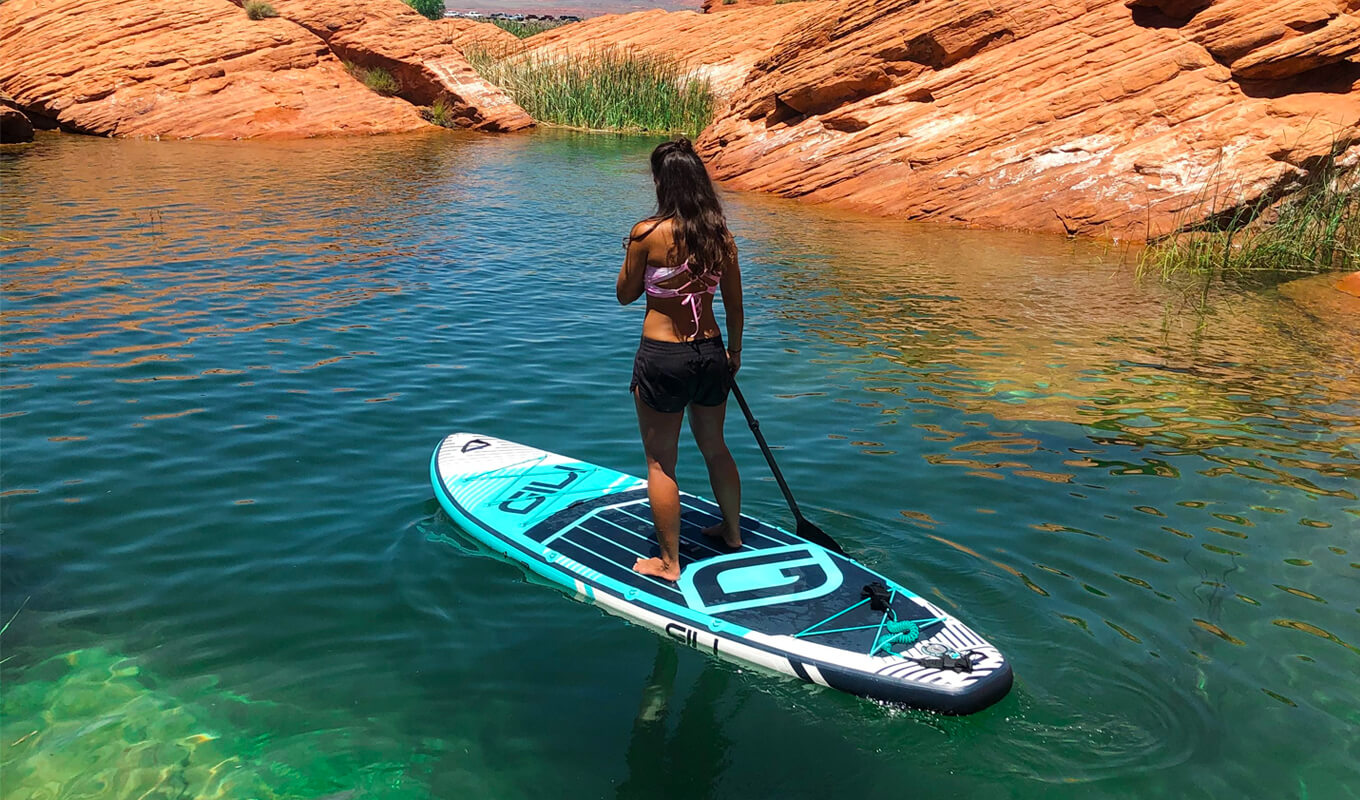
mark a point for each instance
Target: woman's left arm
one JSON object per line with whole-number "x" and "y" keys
{"x": 631, "y": 275}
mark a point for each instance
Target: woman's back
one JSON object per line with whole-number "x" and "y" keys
{"x": 679, "y": 291}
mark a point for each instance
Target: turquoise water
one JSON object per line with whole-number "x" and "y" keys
{"x": 225, "y": 367}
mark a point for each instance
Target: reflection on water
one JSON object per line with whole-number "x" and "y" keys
{"x": 224, "y": 366}
{"x": 941, "y": 325}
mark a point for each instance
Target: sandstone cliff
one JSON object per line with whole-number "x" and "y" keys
{"x": 187, "y": 68}
{"x": 418, "y": 52}
{"x": 1075, "y": 116}
{"x": 203, "y": 69}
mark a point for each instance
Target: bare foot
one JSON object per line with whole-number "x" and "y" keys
{"x": 657, "y": 569}
{"x": 719, "y": 531}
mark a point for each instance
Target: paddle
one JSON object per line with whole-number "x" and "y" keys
{"x": 805, "y": 529}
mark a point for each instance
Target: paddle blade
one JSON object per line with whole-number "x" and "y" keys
{"x": 816, "y": 535}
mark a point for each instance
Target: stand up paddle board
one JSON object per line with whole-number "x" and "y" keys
{"x": 779, "y": 602}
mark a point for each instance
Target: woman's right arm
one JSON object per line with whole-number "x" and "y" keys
{"x": 733, "y": 311}
{"x": 631, "y": 280}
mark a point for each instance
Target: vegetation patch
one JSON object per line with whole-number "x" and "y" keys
{"x": 258, "y": 9}
{"x": 526, "y": 28}
{"x": 610, "y": 88}
{"x": 1314, "y": 230}
{"x": 430, "y": 9}
{"x": 375, "y": 78}
{"x": 441, "y": 114}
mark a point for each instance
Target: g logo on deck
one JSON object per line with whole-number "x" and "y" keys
{"x": 763, "y": 578}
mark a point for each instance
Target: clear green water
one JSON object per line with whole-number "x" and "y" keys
{"x": 225, "y": 367}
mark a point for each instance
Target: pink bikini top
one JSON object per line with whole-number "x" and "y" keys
{"x": 691, "y": 290}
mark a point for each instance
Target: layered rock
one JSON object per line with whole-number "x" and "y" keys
{"x": 1274, "y": 41}
{"x": 181, "y": 69}
{"x": 722, "y": 47}
{"x": 464, "y": 33}
{"x": 710, "y": 6}
{"x": 1090, "y": 117}
{"x": 419, "y": 53}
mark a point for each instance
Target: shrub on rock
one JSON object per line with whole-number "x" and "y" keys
{"x": 258, "y": 9}
{"x": 433, "y": 9}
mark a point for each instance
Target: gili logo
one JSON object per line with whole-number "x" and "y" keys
{"x": 767, "y": 577}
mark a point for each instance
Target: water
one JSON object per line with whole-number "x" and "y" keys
{"x": 226, "y": 365}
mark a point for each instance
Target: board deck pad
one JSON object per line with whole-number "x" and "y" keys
{"x": 778, "y": 602}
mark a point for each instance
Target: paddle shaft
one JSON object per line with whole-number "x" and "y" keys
{"x": 805, "y": 529}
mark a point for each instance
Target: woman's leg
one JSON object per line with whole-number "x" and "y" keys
{"x": 707, "y": 424}
{"x": 660, "y": 438}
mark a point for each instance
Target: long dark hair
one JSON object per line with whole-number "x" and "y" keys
{"x": 685, "y": 195}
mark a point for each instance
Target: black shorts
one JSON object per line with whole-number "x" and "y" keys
{"x": 668, "y": 376}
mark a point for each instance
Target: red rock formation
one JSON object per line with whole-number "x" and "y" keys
{"x": 1077, "y": 116}
{"x": 711, "y": 6}
{"x": 182, "y": 69}
{"x": 722, "y": 46}
{"x": 463, "y": 33}
{"x": 419, "y": 53}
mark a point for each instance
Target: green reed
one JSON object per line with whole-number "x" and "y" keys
{"x": 610, "y": 88}
{"x": 1316, "y": 229}
{"x": 526, "y": 28}
{"x": 440, "y": 113}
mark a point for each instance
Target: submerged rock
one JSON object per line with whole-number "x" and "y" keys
{"x": 1349, "y": 283}
{"x": 1335, "y": 298}
{"x": 182, "y": 69}
{"x": 93, "y": 723}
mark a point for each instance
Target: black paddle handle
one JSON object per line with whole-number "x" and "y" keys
{"x": 765, "y": 448}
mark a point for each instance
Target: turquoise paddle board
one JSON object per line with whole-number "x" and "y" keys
{"x": 779, "y": 602}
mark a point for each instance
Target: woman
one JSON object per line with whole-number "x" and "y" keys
{"x": 679, "y": 257}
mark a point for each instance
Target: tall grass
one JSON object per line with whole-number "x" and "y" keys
{"x": 606, "y": 89}
{"x": 526, "y": 28}
{"x": 441, "y": 114}
{"x": 1316, "y": 229}
{"x": 375, "y": 78}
